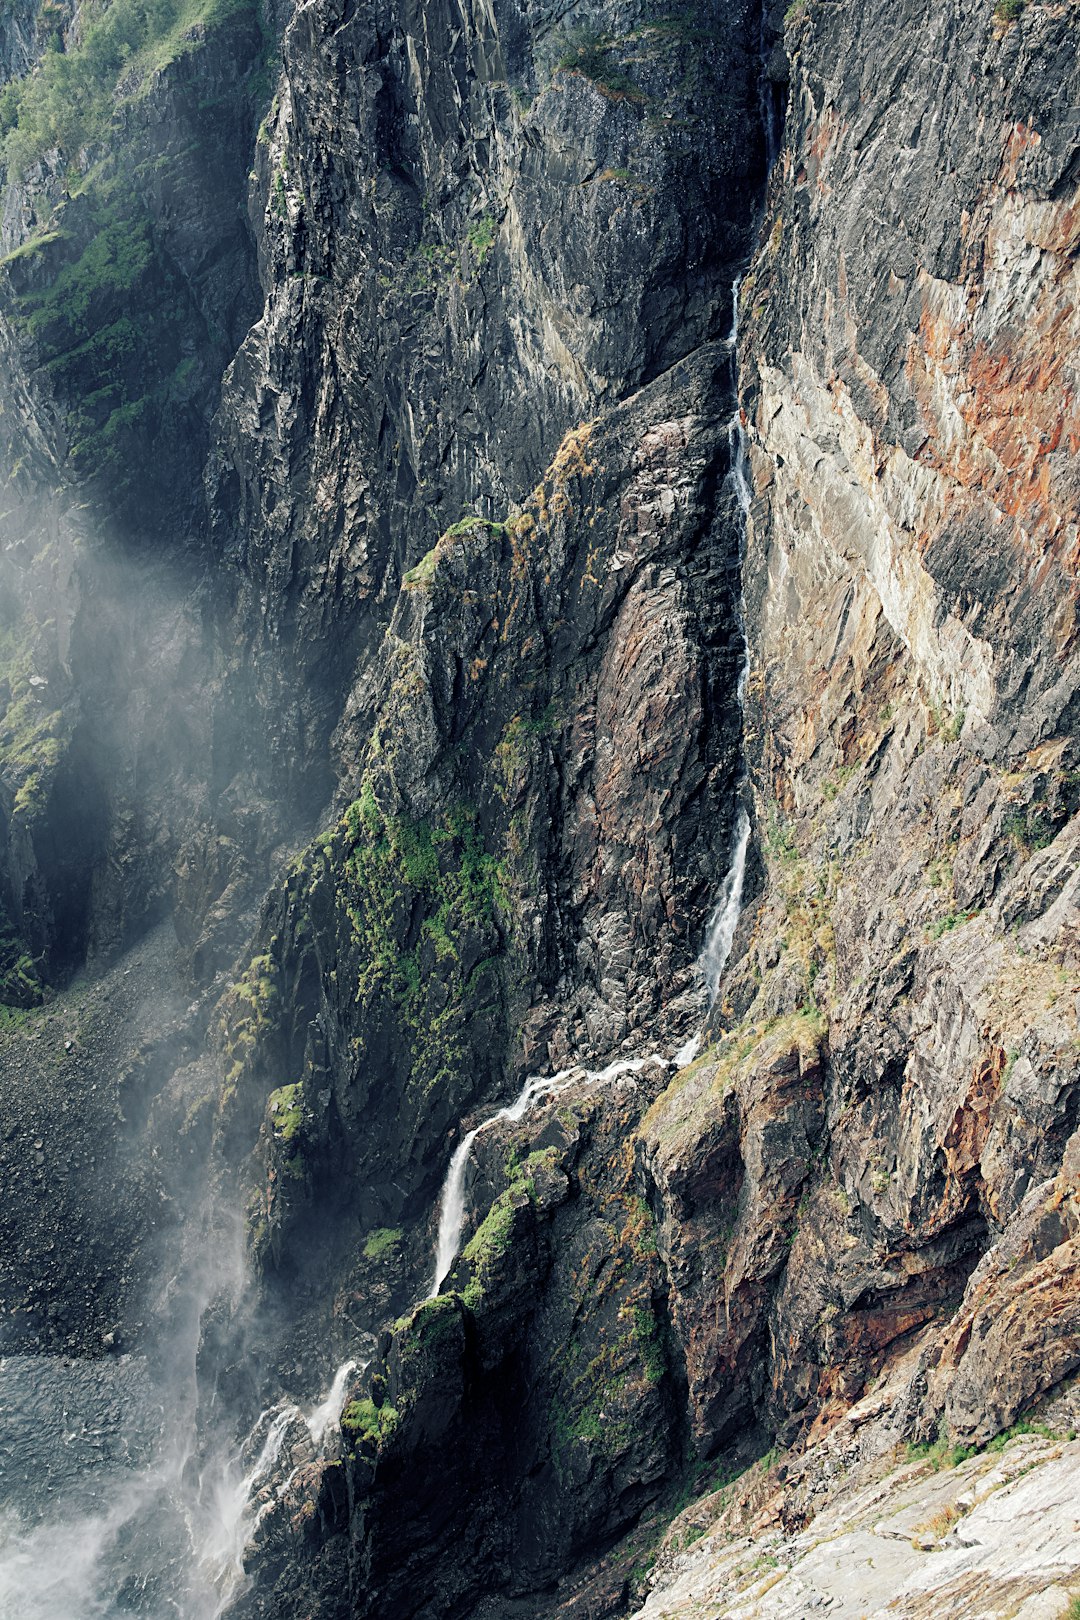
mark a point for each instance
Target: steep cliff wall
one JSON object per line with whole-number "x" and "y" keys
{"x": 378, "y": 426}
{"x": 885, "y": 1122}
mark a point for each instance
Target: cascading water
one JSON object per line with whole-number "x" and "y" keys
{"x": 107, "y": 1514}
{"x": 725, "y": 917}
{"x": 720, "y": 934}
{"x": 323, "y": 1419}
{"x": 452, "y": 1200}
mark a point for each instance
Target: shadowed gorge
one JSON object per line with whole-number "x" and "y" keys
{"x": 539, "y": 792}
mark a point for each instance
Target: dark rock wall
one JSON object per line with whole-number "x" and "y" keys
{"x": 409, "y": 513}
{"x": 887, "y": 1111}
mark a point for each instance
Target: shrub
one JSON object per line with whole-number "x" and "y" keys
{"x": 68, "y": 101}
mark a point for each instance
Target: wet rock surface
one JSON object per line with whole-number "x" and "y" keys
{"x": 412, "y": 509}
{"x": 96, "y": 1101}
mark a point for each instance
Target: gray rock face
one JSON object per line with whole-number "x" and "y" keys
{"x": 911, "y": 730}
{"x": 373, "y": 556}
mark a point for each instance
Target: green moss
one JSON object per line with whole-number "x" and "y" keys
{"x": 487, "y": 1248}
{"x": 417, "y": 894}
{"x": 69, "y": 101}
{"x": 517, "y": 745}
{"x": 482, "y": 237}
{"x": 31, "y": 733}
{"x": 650, "y": 1338}
{"x": 286, "y": 1109}
{"x": 423, "y": 572}
{"x": 425, "y": 1335}
{"x": 368, "y": 1426}
{"x": 953, "y": 919}
{"x": 1025, "y": 1425}
{"x": 20, "y": 983}
{"x": 382, "y": 1242}
{"x": 1029, "y": 828}
{"x": 108, "y": 324}
{"x": 695, "y": 1092}
{"x": 471, "y": 526}
{"x": 940, "y": 1454}
{"x": 34, "y": 244}
{"x": 595, "y": 57}
{"x": 249, "y": 1013}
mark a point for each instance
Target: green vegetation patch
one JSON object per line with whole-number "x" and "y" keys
{"x": 67, "y": 103}
{"x": 481, "y": 237}
{"x": 429, "y": 1338}
{"x": 108, "y": 320}
{"x": 249, "y": 1012}
{"x": 953, "y": 919}
{"x": 425, "y": 901}
{"x": 20, "y": 982}
{"x": 368, "y": 1426}
{"x": 32, "y": 731}
{"x": 697, "y": 1089}
{"x": 381, "y": 1243}
{"x": 594, "y": 56}
{"x": 465, "y": 528}
{"x": 487, "y": 1248}
{"x": 286, "y": 1109}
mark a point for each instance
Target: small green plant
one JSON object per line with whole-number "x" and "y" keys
{"x": 940, "y": 1453}
{"x": 591, "y": 54}
{"x": 1022, "y": 1425}
{"x": 1028, "y": 829}
{"x": 946, "y": 723}
{"x": 780, "y": 837}
{"x": 382, "y": 1242}
{"x": 839, "y": 780}
{"x": 366, "y": 1425}
{"x": 286, "y": 1111}
{"x": 482, "y": 238}
{"x": 584, "y": 50}
{"x": 954, "y": 919}
{"x": 1009, "y": 11}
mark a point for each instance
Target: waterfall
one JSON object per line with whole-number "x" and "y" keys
{"x": 452, "y": 1200}
{"x": 323, "y": 1418}
{"x": 230, "y": 1519}
{"x": 720, "y": 934}
{"x": 725, "y": 917}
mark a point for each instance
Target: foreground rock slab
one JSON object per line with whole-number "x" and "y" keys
{"x": 994, "y": 1537}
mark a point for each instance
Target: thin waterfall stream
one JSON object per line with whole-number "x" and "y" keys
{"x": 720, "y": 933}
{"x": 185, "y": 1530}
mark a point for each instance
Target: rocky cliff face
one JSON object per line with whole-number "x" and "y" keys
{"x": 401, "y": 480}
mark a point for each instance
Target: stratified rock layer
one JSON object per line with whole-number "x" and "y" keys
{"x": 882, "y": 1129}
{"x": 380, "y": 557}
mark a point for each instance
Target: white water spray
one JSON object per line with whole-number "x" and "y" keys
{"x": 452, "y": 1201}
{"x": 232, "y": 1516}
{"x": 324, "y": 1417}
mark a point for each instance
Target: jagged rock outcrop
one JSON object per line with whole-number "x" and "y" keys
{"x": 374, "y": 547}
{"x": 911, "y": 730}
